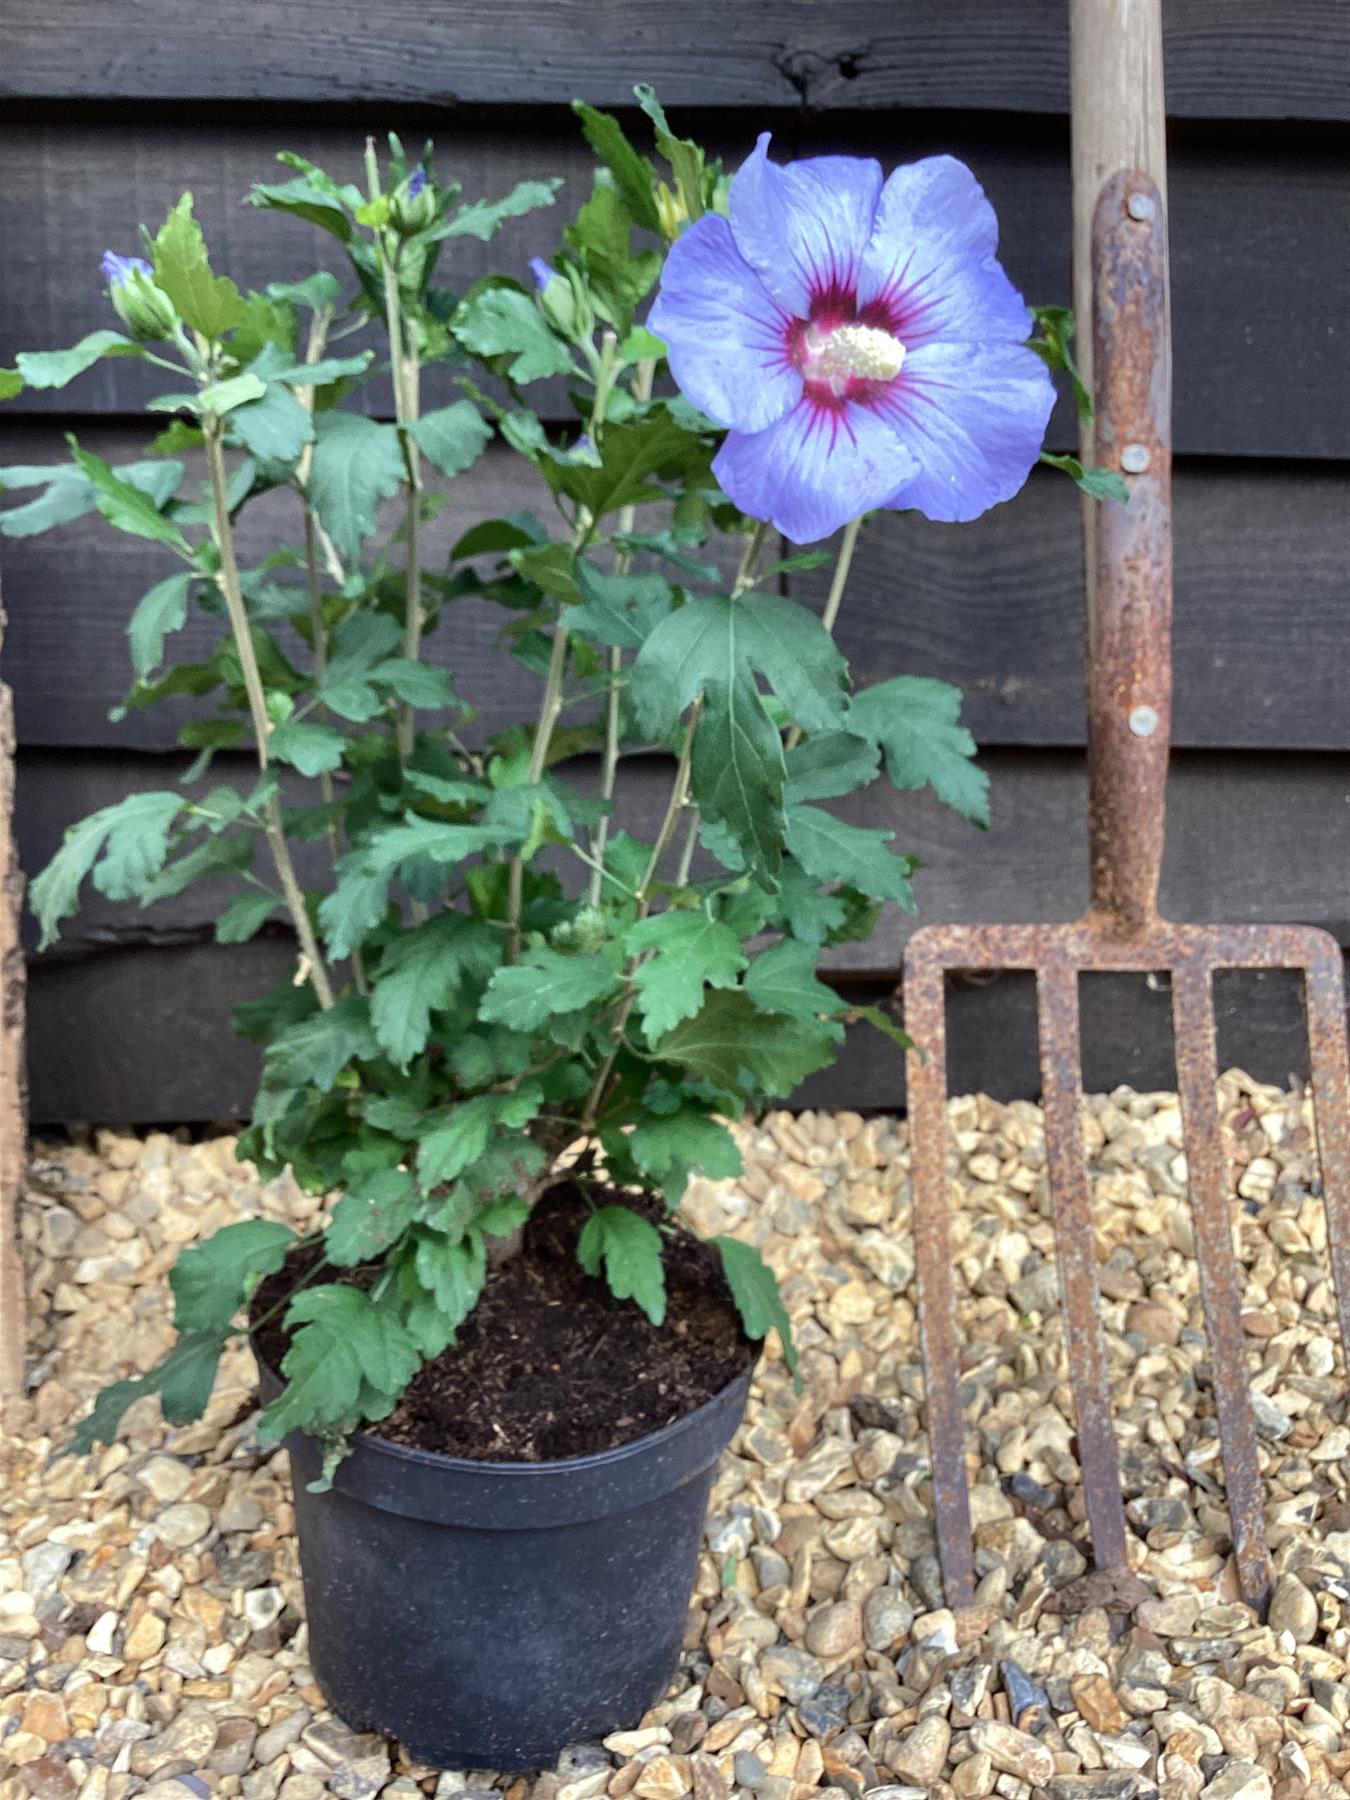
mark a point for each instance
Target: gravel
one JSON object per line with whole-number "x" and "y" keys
{"x": 152, "y": 1635}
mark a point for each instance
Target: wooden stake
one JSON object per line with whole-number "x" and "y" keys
{"x": 13, "y": 1087}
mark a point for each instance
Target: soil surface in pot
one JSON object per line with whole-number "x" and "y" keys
{"x": 549, "y": 1364}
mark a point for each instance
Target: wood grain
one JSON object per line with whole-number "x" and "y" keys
{"x": 1251, "y": 838}
{"x": 1261, "y": 290}
{"x": 1262, "y": 585}
{"x": 1270, "y": 59}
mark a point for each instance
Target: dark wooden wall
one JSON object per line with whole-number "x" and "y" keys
{"x": 109, "y": 108}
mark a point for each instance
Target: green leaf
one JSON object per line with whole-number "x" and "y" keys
{"x": 275, "y": 427}
{"x": 125, "y": 846}
{"x": 456, "y": 1139}
{"x": 303, "y": 200}
{"x": 11, "y": 384}
{"x": 629, "y": 1247}
{"x": 446, "y": 844}
{"x": 755, "y": 1291}
{"x": 359, "y": 644}
{"x": 452, "y": 1270}
{"x": 419, "y": 684}
{"x": 1097, "y": 484}
{"x": 881, "y": 1021}
{"x": 683, "y": 155}
{"x": 741, "y": 1050}
{"x": 633, "y": 175}
{"x": 210, "y": 304}
{"x": 830, "y": 764}
{"x": 619, "y": 610}
{"x": 245, "y": 917}
{"x": 355, "y": 906}
{"x": 357, "y": 464}
{"x": 666, "y": 1146}
{"x": 423, "y": 971}
{"x": 714, "y": 637}
{"x": 632, "y": 454}
{"x": 504, "y": 321}
{"x": 162, "y": 610}
{"x": 321, "y": 373}
{"x": 483, "y": 218}
{"x": 690, "y": 952}
{"x": 54, "y": 368}
{"x": 915, "y": 720}
{"x": 223, "y": 396}
{"x": 374, "y": 1213}
{"x": 501, "y": 1217}
{"x": 183, "y": 1382}
{"x": 831, "y": 850}
{"x": 349, "y": 1360}
{"x": 318, "y": 1048}
{"x": 737, "y": 771}
{"x": 313, "y": 749}
{"x": 514, "y": 531}
{"x": 215, "y": 855}
{"x": 125, "y": 505}
{"x": 544, "y": 982}
{"x": 783, "y": 980}
{"x": 452, "y": 438}
{"x": 319, "y": 292}
{"x": 213, "y": 1279}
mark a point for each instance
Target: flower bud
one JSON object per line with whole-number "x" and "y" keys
{"x": 557, "y": 298}
{"x": 412, "y": 205}
{"x": 671, "y": 211}
{"x": 584, "y": 934}
{"x": 145, "y": 310}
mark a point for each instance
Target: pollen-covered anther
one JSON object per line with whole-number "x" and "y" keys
{"x": 863, "y": 352}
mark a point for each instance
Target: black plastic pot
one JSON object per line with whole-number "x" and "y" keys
{"x": 486, "y": 1614}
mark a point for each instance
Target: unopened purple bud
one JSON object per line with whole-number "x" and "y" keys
{"x": 543, "y": 272}
{"x": 416, "y": 182}
{"x": 120, "y": 269}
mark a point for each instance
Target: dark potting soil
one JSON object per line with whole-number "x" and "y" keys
{"x": 549, "y": 1364}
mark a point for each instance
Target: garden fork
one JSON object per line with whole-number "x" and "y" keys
{"x": 1128, "y": 635}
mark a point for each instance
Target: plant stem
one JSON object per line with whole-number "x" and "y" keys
{"x": 311, "y": 958}
{"x": 642, "y": 391}
{"x": 318, "y": 628}
{"x": 552, "y": 703}
{"x": 839, "y": 580}
{"x": 404, "y": 368}
{"x": 687, "y": 854}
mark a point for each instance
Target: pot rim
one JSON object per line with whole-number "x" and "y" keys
{"x": 461, "y": 1492}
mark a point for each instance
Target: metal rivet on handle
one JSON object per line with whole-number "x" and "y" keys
{"x": 1134, "y": 459}
{"x": 1139, "y": 206}
{"x": 1143, "y": 721}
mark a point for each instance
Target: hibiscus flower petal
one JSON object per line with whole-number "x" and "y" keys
{"x": 930, "y": 265}
{"x": 726, "y": 339}
{"x": 815, "y": 469}
{"x": 803, "y": 228}
{"x": 973, "y": 416}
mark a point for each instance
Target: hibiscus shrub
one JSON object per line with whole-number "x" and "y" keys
{"x": 499, "y": 961}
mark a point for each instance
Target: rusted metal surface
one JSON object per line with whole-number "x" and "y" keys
{"x": 1129, "y": 706}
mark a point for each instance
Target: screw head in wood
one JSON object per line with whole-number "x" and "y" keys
{"x": 1139, "y": 206}
{"x": 1134, "y": 459}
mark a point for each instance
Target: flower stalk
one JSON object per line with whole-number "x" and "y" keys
{"x": 838, "y": 582}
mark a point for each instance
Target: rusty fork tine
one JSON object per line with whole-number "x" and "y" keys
{"x": 1220, "y": 1279}
{"x": 1329, "y": 1061}
{"x": 926, "y": 1086}
{"x": 1076, "y": 1252}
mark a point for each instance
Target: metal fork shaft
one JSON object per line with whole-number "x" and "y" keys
{"x": 1076, "y": 1253}
{"x": 926, "y": 1090}
{"x": 1220, "y": 1279}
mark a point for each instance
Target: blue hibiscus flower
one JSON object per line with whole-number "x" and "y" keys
{"x": 860, "y": 341}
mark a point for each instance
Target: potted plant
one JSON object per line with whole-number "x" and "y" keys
{"x": 525, "y": 999}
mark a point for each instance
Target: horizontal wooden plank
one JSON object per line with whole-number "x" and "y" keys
{"x": 140, "y": 1036}
{"x": 1260, "y": 293}
{"x": 1252, "y": 838}
{"x": 1225, "y": 58}
{"x": 1262, "y": 590}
